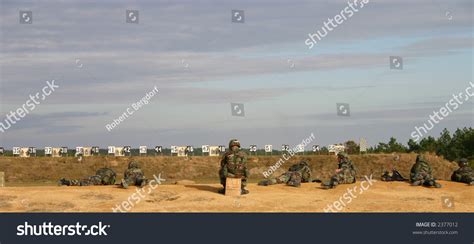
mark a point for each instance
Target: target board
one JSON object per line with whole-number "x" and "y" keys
{"x": 181, "y": 151}
{"x": 143, "y": 150}
{"x": 24, "y": 152}
{"x": 56, "y": 152}
{"x": 214, "y": 151}
{"x": 174, "y": 150}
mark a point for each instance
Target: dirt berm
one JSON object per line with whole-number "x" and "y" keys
{"x": 44, "y": 171}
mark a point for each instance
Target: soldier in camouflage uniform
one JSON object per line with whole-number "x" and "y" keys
{"x": 345, "y": 173}
{"x": 297, "y": 173}
{"x": 421, "y": 173}
{"x": 103, "y": 176}
{"x": 464, "y": 174}
{"x": 133, "y": 176}
{"x": 234, "y": 165}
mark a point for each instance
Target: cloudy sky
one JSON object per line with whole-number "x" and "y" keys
{"x": 201, "y": 62}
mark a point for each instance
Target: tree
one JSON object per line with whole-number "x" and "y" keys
{"x": 351, "y": 147}
{"x": 428, "y": 144}
{"x": 413, "y": 146}
{"x": 444, "y": 144}
{"x": 462, "y": 144}
{"x": 394, "y": 146}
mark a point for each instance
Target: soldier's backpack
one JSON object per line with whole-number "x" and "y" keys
{"x": 107, "y": 175}
{"x": 304, "y": 169}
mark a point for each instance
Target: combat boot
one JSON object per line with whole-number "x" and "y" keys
{"x": 429, "y": 183}
{"x": 221, "y": 191}
{"x": 416, "y": 183}
{"x": 244, "y": 191}
{"x": 124, "y": 184}
{"x": 327, "y": 185}
{"x": 293, "y": 183}
{"x": 432, "y": 183}
{"x": 143, "y": 183}
{"x": 264, "y": 183}
{"x": 64, "y": 182}
{"x": 386, "y": 176}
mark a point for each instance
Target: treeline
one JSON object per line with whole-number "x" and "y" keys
{"x": 452, "y": 147}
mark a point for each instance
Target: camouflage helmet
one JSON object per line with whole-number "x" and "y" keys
{"x": 420, "y": 158}
{"x": 133, "y": 165}
{"x": 234, "y": 142}
{"x": 462, "y": 162}
{"x": 342, "y": 155}
{"x": 304, "y": 163}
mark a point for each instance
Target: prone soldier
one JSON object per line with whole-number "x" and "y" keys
{"x": 296, "y": 174}
{"x": 103, "y": 176}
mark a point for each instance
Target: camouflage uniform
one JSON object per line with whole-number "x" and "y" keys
{"x": 103, "y": 176}
{"x": 396, "y": 176}
{"x": 234, "y": 165}
{"x": 297, "y": 173}
{"x": 421, "y": 173}
{"x": 464, "y": 174}
{"x": 133, "y": 176}
{"x": 346, "y": 174}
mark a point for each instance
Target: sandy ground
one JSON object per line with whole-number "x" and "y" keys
{"x": 379, "y": 197}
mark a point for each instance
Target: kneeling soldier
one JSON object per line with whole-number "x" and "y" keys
{"x": 464, "y": 173}
{"x": 345, "y": 174}
{"x": 421, "y": 173}
{"x": 133, "y": 176}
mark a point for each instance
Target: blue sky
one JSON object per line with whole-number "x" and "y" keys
{"x": 248, "y": 63}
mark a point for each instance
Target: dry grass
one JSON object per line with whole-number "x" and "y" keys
{"x": 41, "y": 170}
